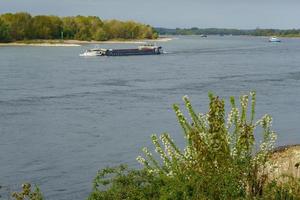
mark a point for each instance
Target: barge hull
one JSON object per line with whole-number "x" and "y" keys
{"x": 131, "y": 52}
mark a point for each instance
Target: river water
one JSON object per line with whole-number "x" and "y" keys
{"x": 63, "y": 117}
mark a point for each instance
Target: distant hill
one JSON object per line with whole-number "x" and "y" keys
{"x": 224, "y": 31}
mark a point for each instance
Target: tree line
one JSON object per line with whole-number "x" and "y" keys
{"x": 23, "y": 26}
{"x": 222, "y": 31}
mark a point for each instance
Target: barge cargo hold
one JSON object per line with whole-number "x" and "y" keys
{"x": 147, "y": 49}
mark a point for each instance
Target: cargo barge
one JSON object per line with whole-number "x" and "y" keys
{"x": 148, "y": 49}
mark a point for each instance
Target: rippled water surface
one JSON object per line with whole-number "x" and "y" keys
{"x": 63, "y": 117}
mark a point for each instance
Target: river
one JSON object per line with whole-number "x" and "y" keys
{"x": 63, "y": 117}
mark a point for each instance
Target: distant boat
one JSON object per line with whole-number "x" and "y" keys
{"x": 274, "y": 39}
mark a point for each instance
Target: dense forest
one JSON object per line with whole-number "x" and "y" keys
{"x": 221, "y": 31}
{"x": 23, "y": 26}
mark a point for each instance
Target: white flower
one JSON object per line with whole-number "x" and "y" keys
{"x": 141, "y": 160}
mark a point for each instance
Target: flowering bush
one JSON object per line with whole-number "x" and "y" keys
{"x": 216, "y": 147}
{"x": 221, "y": 159}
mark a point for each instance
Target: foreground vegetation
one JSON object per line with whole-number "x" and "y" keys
{"x": 221, "y": 160}
{"x": 222, "y": 31}
{"x": 23, "y": 26}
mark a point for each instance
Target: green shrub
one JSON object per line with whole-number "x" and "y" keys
{"x": 220, "y": 160}
{"x": 122, "y": 183}
{"x": 27, "y": 193}
{"x": 285, "y": 187}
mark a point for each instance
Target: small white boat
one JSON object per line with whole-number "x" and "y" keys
{"x": 274, "y": 39}
{"x": 92, "y": 52}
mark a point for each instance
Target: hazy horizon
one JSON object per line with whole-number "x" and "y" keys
{"x": 173, "y": 14}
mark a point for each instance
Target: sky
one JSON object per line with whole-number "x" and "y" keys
{"x": 243, "y": 14}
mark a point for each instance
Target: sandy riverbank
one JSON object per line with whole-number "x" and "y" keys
{"x": 76, "y": 43}
{"x": 40, "y": 44}
{"x": 163, "y": 39}
{"x": 286, "y": 160}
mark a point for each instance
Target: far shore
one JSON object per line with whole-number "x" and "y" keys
{"x": 76, "y": 43}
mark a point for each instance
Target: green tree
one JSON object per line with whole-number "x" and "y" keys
{"x": 4, "y": 32}
{"x": 56, "y": 26}
{"x": 46, "y": 27}
{"x": 19, "y": 25}
{"x": 83, "y": 31}
{"x": 100, "y": 34}
{"x": 69, "y": 27}
{"x": 113, "y": 28}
